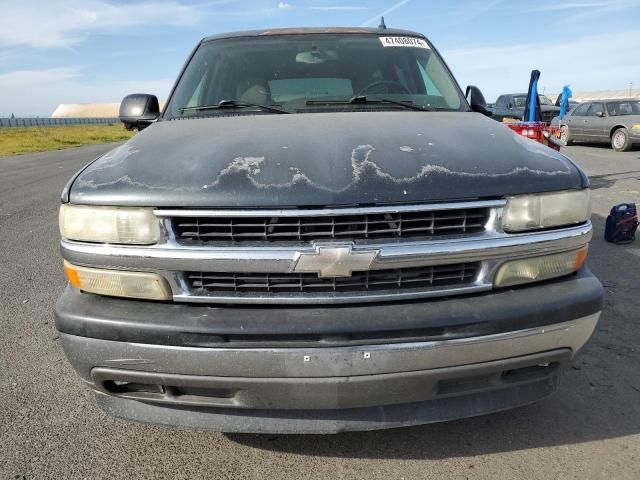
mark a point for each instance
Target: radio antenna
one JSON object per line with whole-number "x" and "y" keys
{"x": 382, "y": 26}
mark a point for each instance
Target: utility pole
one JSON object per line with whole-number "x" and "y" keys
{"x": 630, "y": 88}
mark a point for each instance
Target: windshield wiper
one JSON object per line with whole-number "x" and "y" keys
{"x": 231, "y": 104}
{"x": 361, "y": 99}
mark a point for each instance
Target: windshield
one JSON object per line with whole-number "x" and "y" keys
{"x": 521, "y": 100}
{"x": 305, "y": 73}
{"x": 545, "y": 100}
{"x": 624, "y": 108}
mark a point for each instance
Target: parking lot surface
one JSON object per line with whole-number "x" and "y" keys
{"x": 51, "y": 428}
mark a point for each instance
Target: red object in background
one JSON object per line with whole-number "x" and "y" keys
{"x": 537, "y": 131}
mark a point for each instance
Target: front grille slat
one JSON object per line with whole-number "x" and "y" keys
{"x": 212, "y": 284}
{"x": 392, "y": 225}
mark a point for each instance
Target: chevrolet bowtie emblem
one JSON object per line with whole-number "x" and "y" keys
{"x": 335, "y": 261}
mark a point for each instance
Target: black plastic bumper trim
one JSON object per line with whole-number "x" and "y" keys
{"x": 331, "y": 421}
{"x": 320, "y": 393}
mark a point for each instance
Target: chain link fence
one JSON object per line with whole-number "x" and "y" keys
{"x": 47, "y": 122}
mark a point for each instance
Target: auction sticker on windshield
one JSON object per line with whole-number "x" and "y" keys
{"x": 403, "y": 42}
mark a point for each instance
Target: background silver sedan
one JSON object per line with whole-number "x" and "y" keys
{"x": 603, "y": 121}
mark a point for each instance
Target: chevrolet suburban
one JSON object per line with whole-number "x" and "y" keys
{"x": 320, "y": 232}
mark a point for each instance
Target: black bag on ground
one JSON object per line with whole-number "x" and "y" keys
{"x": 622, "y": 223}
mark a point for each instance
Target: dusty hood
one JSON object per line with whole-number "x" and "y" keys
{"x": 322, "y": 159}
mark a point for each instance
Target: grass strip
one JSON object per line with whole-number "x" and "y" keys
{"x": 14, "y": 141}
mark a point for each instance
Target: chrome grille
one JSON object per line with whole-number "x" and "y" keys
{"x": 220, "y": 283}
{"x": 336, "y": 226}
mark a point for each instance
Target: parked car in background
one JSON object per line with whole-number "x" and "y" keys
{"x": 512, "y": 105}
{"x": 603, "y": 121}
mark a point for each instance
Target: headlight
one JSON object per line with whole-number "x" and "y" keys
{"x": 534, "y": 212}
{"x": 137, "y": 226}
{"x": 118, "y": 283}
{"x": 536, "y": 269}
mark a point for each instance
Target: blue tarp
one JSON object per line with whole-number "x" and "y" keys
{"x": 564, "y": 101}
{"x": 533, "y": 112}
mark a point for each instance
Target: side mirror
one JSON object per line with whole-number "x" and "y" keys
{"x": 139, "y": 110}
{"x": 476, "y": 100}
{"x": 600, "y": 114}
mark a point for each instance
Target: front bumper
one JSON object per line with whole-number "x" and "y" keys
{"x": 511, "y": 354}
{"x": 468, "y": 401}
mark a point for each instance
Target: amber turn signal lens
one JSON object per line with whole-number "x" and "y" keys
{"x": 118, "y": 283}
{"x": 72, "y": 275}
{"x": 581, "y": 256}
{"x": 536, "y": 269}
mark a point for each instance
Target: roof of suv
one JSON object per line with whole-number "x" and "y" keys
{"x": 314, "y": 30}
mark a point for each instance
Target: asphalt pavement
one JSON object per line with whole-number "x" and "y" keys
{"x": 51, "y": 428}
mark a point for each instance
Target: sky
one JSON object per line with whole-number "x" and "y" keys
{"x": 83, "y": 51}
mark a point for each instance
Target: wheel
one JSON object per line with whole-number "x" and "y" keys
{"x": 620, "y": 140}
{"x": 565, "y": 135}
{"x": 385, "y": 83}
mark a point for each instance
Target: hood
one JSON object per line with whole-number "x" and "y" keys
{"x": 318, "y": 159}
